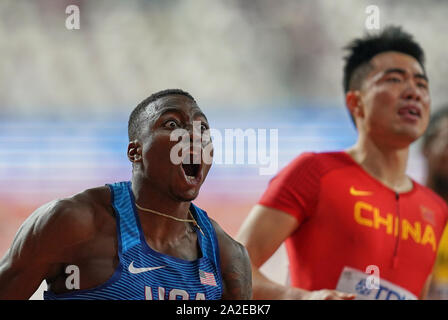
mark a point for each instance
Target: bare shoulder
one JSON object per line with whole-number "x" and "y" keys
{"x": 60, "y": 224}
{"x": 226, "y": 241}
{"x": 77, "y": 215}
{"x": 235, "y": 266}
{"x": 50, "y": 237}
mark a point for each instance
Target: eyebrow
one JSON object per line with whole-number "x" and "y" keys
{"x": 200, "y": 114}
{"x": 168, "y": 110}
{"x": 402, "y": 71}
{"x": 176, "y": 110}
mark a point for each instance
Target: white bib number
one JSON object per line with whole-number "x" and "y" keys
{"x": 357, "y": 282}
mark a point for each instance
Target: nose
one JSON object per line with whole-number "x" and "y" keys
{"x": 412, "y": 92}
{"x": 194, "y": 130}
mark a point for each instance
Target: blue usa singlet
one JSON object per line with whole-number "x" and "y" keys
{"x": 143, "y": 273}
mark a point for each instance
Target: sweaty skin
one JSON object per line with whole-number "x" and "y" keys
{"x": 82, "y": 230}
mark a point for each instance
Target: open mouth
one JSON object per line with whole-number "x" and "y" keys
{"x": 191, "y": 170}
{"x": 410, "y": 111}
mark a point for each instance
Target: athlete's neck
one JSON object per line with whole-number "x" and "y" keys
{"x": 148, "y": 198}
{"x": 388, "y": 165}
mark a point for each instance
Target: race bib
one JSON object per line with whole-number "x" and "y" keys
{"x": 358, "y": 282}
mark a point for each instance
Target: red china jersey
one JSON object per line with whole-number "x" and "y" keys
{"x": 349, "y": 219}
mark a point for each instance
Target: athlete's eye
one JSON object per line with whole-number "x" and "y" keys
{"x": 204, "y": 127}
{"x": 422, "y": 85}
{"x": 206, "y": 135}
{"x": 393, "y": 79}
{"x": 171, "y": 124}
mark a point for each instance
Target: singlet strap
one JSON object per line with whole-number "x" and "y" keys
{"x": 127, "y": 226}
{"x": 209, "y": 241}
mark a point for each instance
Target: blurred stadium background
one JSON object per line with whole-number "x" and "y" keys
{"x": 66, "y": 95}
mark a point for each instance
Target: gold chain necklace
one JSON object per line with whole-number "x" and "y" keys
{"x": 171, "y": 217}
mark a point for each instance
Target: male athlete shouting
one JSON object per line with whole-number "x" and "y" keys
{"x": 141, "y": 239}
{"x": 342, "y": 213}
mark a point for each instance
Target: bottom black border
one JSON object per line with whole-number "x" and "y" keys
{"x": 255, "y": 309}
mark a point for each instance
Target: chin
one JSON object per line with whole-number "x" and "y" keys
{"x": 412, "y": 137}
{"x": 407, "y": 137}
{"x": 187, "y": 196}
{"x": 187, "y": 199}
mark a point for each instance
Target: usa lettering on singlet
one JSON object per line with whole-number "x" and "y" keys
{"x": 145, "y": 274}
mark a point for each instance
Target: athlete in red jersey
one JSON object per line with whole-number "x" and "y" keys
{"x": 344, "y": 212}
{"x": 349, "y": 219}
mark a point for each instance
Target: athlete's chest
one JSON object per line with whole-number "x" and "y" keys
{"x": 163, "y": 277}
{"x": 371, "y": 215}
{"x": 98, "y": 261}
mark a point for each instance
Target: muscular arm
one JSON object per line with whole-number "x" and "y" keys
{"x": 235, "y": 267}
{"x": 262, "y": 233}
{"x": 42, "y": 244}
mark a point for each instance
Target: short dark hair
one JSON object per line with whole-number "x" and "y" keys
{"x": 432, "y": 129}
{"x": 362, "y": 50}
{"x": 135, "y": 119}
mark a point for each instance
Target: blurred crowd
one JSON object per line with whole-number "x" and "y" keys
{"x": 244, "y": 53}
{"x": 230, "y": 55}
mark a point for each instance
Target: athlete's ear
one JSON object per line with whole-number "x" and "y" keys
{"x": 354, "y": 103}
{"x": 134, "y": 151}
